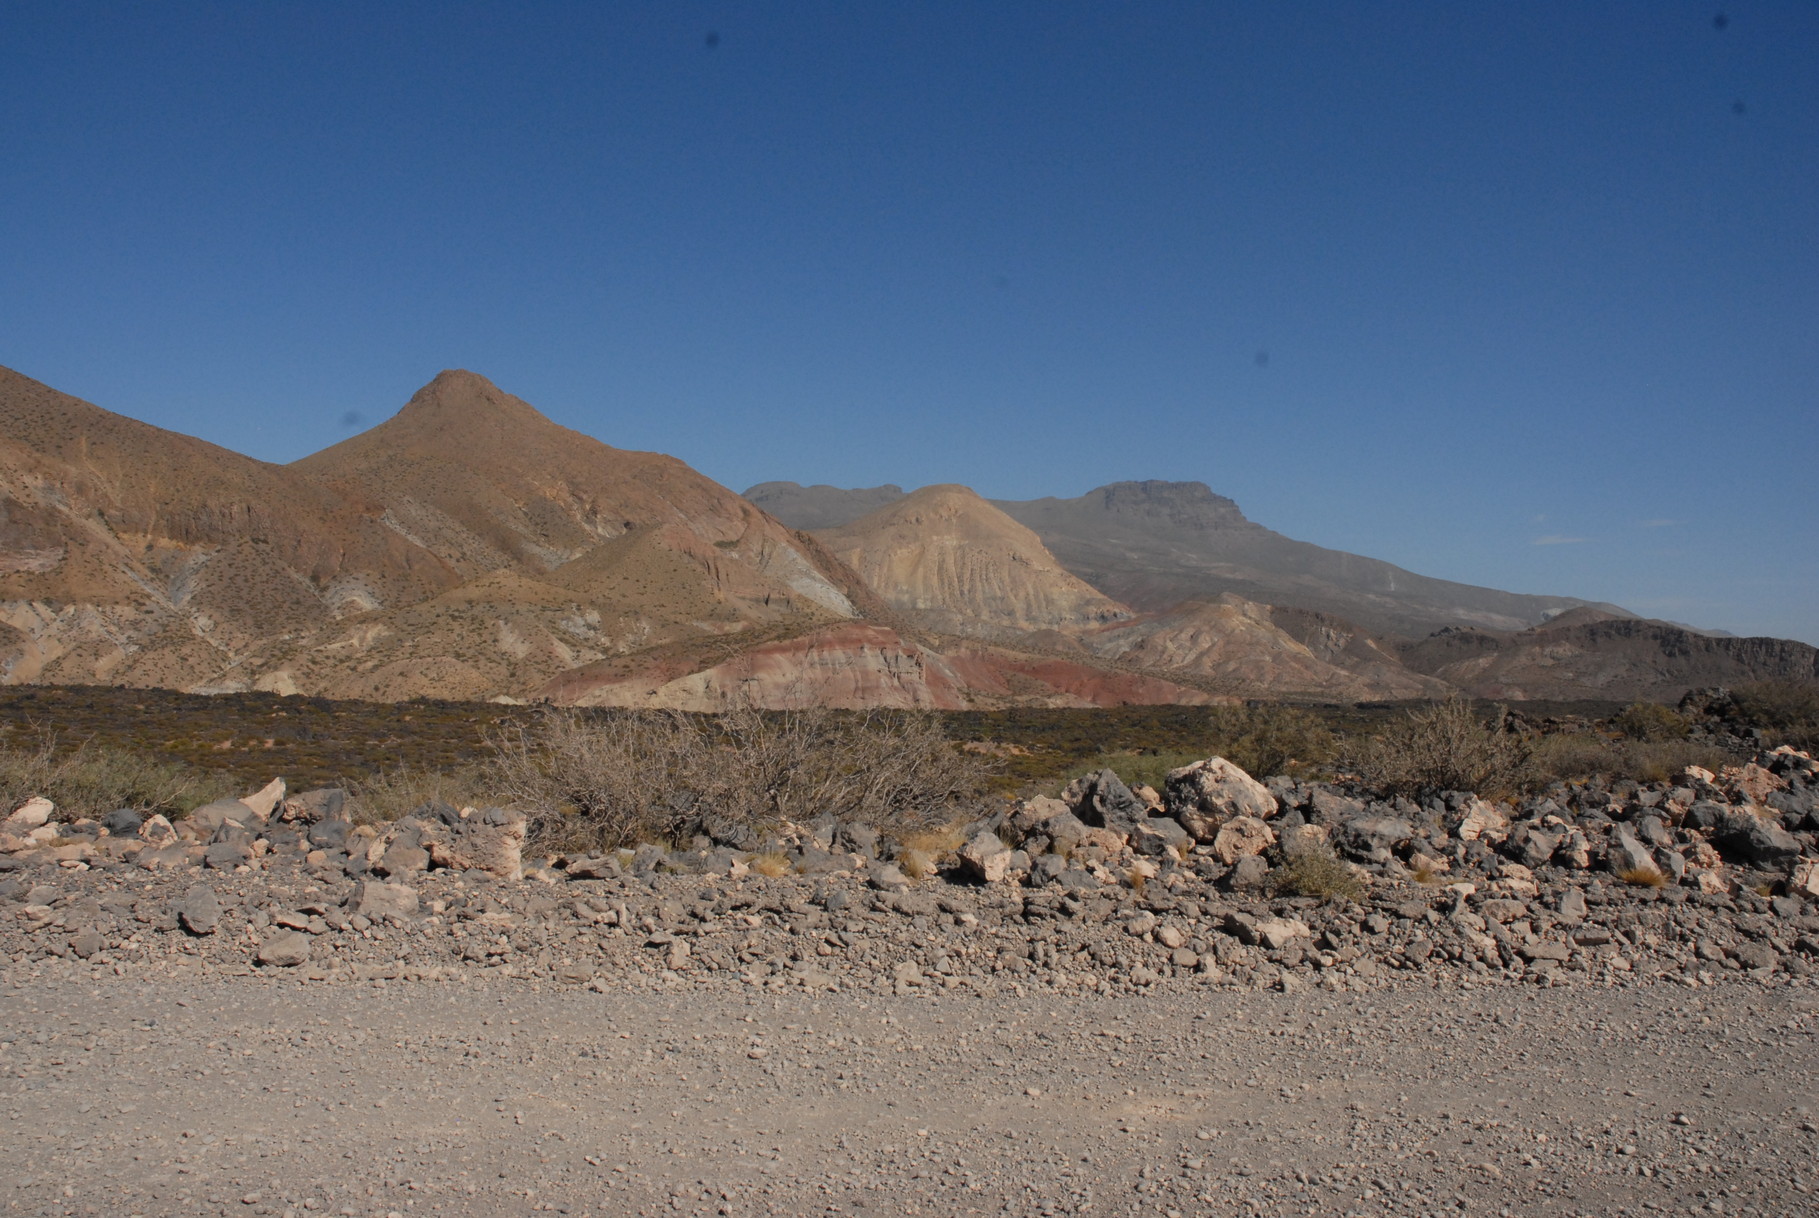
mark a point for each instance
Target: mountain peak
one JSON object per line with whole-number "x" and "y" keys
{"x": 458, "y": 396}
{"x": 1185, "y": 503}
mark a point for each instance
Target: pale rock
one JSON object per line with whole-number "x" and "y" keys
{"x": 1147, "y": 794}
{"x": 1032, "y": 814}
{"x": 1278, "y": 933}
{"x": 29, "y": 815}
{"x": 44, "y": 835}
{"x": 266, "y": 800}
{"x": 1805, "y": 879}
{"x": 1171, "y": 936}
{"x": 286, "y": 949}
{"x": 986, "y": 858}
{"x": 1304, "y": 838}
{"x": 1698, "y": 773}
{"x": 373, "y": 899}
{"x": 1752, "y": 781}
{"x": 200, "y": 910}
{"x": 1482, "y": 821}
{"x": 157, "y": 831}
{"x": 1515, "y": 880}
{"x": 1627, "y": 855}
{"x": 1205, "y": 795}
{"x": 1709, "y": 881}
{"x": 491, "y": 841}
{"x": 1242, "y": 837}
{"x": 1428, "y": 863}
{"x": 204, "y": 821}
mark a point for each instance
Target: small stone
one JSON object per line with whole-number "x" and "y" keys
{"x": 86, "y": 943}
{"x": 376, "y": 900}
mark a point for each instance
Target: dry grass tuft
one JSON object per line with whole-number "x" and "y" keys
{"x": 772, "y": 864}
{"x": 1643, "y": 877}
{"x": 1314, "y": 871}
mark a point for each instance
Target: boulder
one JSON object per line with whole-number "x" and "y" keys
{"x": 123, "y": 822}
{"x": 286, "y": 949}
{"x": 1033, "y": 815}
{"x": 29, "y": 815}
{"x": 1242, "y": 837}
{"x": 1481, "y": 821}
{"x": 985, "y": 858}
{"x": 1374, "y": 837}
{"x": 265, "y": 801}
{"x": 199, "y": 912}
{"x": 1158, "y": 836}
{"x": 1104, "y": 802}
{"x": 375, "y": 900}
{"x": 157, "y": 831}
{"x": 1205, "y": 795}
{"x": 311, "y": 807}
{"x": 1745, "y": 837}
{"x": 204, "y": 821}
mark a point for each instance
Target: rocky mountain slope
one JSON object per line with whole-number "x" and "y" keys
{"x": 949, "y": 560}
{"x": 1153, "y": 545}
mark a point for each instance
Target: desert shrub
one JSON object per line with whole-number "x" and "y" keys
{"x": 1133, "y": 769}
{"x": 595, "y": 780}
{"x": 90, "y": 779}
{"x": 1643, "y": 877}
{"x": 1788, "y": 711}
{"x": 1578, "y": 756}
{"x": 390, "y": 794}
{"x": 1313, "y": 870}
{"x": 1272, "y": 738}
{"x": 1443, "y": 746}
{"x": 1650, "y": 721}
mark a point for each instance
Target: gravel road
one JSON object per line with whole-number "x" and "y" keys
{"x": 273, "y": 1094}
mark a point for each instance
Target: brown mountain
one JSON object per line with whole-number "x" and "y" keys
{"x": 952, "y": 562}
{"x": 138, "y": 556}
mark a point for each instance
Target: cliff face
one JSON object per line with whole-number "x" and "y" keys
{"x": 952, "y": 562}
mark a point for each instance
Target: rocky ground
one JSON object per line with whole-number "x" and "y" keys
{"x": 1113, "y": 1002}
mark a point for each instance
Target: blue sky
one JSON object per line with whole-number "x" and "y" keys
{"x": 1524, "y": 295}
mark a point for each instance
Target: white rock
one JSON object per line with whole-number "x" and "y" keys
{"x": 29, "y": 815}
{"x": 266, "y": 799}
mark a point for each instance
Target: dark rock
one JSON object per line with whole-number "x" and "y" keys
{"x": 329, "y": 834}
{"x": 1106, "y": 803}
{"x": 1746, "y": 838}
{"x": 1159, "y": 835}
{"x": 1373, "y": 838}
{"x": 199, "y": 911}
{"x": 310, "y": 807}
{"x": 858, "y": 839}
{"x": 123, "y": 822}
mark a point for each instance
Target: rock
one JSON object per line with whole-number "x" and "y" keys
{"x": 1159, "y": 836}
{"x": 1805, "y": 880}
{"x": 1106, "y": 803}
{"x": 1171, "y": 936}
{"x": 594, "y": 868}
{"x": 1628, "y": 856}
{"x": 886, "y": 878}
{"x": 1242, "y": 837}
{"x": 29, "y": 815}
{"x": 1560, "y": 953}
{"x": 1752, "y": 782}
{"x": 1203, "y": 796}
{"x": 491, "y": 841}
{"x": 1572, "y": 907}
{"x": 199, "y": 911}
{"x": 375, "y": 900}
{"x": 1248, "y": 872}
{"x": 265, "y": 801}
{"x": 1755, "y": 956}
{"x": 123, "y": 822}
{"x": 313, "y": 807}
{"x": 86, "y": 943}
{"x": 210, "y": 817}
{"x": 985, "y": 858}
{"x": 1373, "y": 837}
{"x": 1481, "y": 821}
{"x": 157, "y": 831}
{"x": 1278, "y": 933}
{"x": 225, "y": 856}
{"x": 1032, "y": 814}
{"x": 1328, "y": 807}
{"x": 402, "y": 858}
{"x": 329, "y": 834}
{"x": 286, "y": 949}
{"x": 1744, "y": 837}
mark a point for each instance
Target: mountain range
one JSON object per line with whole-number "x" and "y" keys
{"x": 469, "y": 547}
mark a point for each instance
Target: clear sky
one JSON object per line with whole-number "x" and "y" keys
{"x": 1521, "y": 294}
